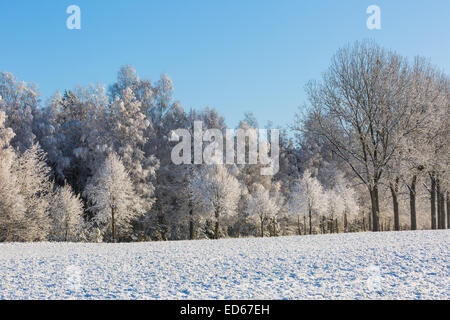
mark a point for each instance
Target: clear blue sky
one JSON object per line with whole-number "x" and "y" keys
{"x": 236, "y": 56}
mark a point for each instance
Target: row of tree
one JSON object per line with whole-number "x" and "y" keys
{"x": 95, "y": 164}
{"x": 388, "y": 121}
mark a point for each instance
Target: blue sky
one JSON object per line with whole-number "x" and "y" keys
{"x": 236, "y": 56}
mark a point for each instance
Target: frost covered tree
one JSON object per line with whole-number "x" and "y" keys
{"x": 216, "y": 192}
{"x": 374, "y": 116}
{"x": 263, "y": 205}
{"x": 67, "y": 215}
{"x": 277, "y": 196}
{"x": 128, "y": 139}
{"x": 307, "y": 197}
{"x": 33, "y": 177}
{"x": 335, "y": 209}
{"x": 12, "y": 207}
{"x": 358, "y": 108}
{"x": 112, "y": 198}
{"x": 20, "y": 102}
{"x": 349, "y": 208}
{"x": 72, "y": 129}
{"x": 430, "y": 148}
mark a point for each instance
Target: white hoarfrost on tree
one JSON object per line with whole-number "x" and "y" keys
{"x": 12, "y": 207}
{"x": 359, "y": 107}
{"x": 216, "y": 192}
{"x": 128, "y": 140}
{"x": 112, "y": 198}
{"x": 307, "y": 198}
{"x": 19, "y": 100}
{"x": 376, "y": 130}
{"x": 264, "y": 205}
{"x": 67, "y": 215}
{"x": 335, "y": 206}
{"x": 35, "y": 186}
{"x": 342, "y": 204}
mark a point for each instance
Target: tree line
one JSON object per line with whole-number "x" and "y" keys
{"x": 368, "y": 151}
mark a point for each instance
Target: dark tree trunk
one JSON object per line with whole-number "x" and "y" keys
{"x": 324, "y": 225}
{"x": 412, "y": 203}
{"x": 442, "y": 200}
{"x": 345, "y": 222}
{"x": 217, "y": 226}
{"x": 66, "y": 233}
{"x": 191, "y": 224}
{"x": 299, "y": 229}
{"x": 448, "y": 210}
{"x": 262, "y": 227}
{"x": 304, "y": 224}
{"x": 433, "y": 201}
{"x": 394, "y": 192}
{"x": 113, "y": 225}
{"x": 310, "y": 221}
{"x": 375, "y": 208}
{"x": 364, "y": 221}
{"x": 439, "y": 209}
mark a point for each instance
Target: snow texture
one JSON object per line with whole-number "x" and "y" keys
{"x": 389, "y": 265}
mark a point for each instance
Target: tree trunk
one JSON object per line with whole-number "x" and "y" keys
{"x": 442, "y": 200}
{"x": 331, "y": 225}
{"x": 375, "y": 208}
{"x": 66, "y": 228}
{"x": 394, "y": 192}
{"x": 412, "y": 203}
{"x": 191, "y": 224}
{"x": 113, "y": 225}
{"x": 433, "y": 201}
{"x": 345, "y": 222}
{"x": 364, "y": 221}
{"x": 304, "y": 224}
{"x": 448, "y": 210}
{"x": 322, "y": 225}
{"x": 439, "y": 209}
{"x": 216, "y": 228}
{"x": 310, "y": 221}
{"x": 299, "y": 230}
{"x": 262, "y": 226}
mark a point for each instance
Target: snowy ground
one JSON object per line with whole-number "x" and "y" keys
{"x": 390, "y": 265}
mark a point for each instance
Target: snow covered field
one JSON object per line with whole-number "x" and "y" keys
{"x": 390, "y": 265}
